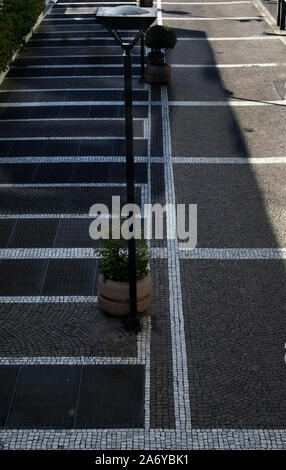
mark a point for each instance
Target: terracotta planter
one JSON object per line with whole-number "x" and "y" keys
{"x": 158, "y": 74}
{"x": 113, "y": 296}
{"x": 144, "y": 3}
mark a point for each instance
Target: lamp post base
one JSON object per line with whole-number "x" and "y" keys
{"x": 131, "y": 324}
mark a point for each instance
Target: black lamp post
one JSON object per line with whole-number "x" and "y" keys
{"x": 129, "y": 18}
{"x": 281, "y": 13}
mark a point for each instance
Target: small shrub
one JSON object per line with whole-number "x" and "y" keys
{"x": 160, "y": 37}
{"x": 17, "y": 17}
{"x": 114, "y": 263}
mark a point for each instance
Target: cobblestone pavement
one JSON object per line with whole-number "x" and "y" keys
{"x": 208, "y": 370}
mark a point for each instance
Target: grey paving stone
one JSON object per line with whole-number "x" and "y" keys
{"x": 161, "y": 373}
{"x": 14, "y": 173}
{"x": 73, "y": 82}
{"x": 235, "y": 327}
{"x": 70, "y": 277}
{"x": 8, "y": 378}
{"x": 228, "y": 28}
{"x": 111, "y": 397}
{"x": 45, "y": 200}
{"x": 74, "y": 95}
{"x": 227, "y": 52}
{"x": 6, "y": 230}
{"x": 62, "y": 330}
{"x": 248, "y": 131}
{"x": 105, "y": 50}
{"x": 220, "y": 85}
{"x": 57, "y": 111}
{"x": 21, "y": 277}
{"x": 68, "y": 72}
{"x": 238, "y": 205}
{"x": 33, "y": 233}
{"x": 45, "y": 397}
{"x": 92, "y": 128}
{"x": 208, "y": 11}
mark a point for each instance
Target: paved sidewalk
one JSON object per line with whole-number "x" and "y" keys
{"x": 208, "y": 369}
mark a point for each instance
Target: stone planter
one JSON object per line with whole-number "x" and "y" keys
{"x": 158, "y": 74}
{"x": 113, "y": 296}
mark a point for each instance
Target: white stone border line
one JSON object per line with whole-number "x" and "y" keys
{"x": 230, "y": 103}
{"x": 156, "y": 252}
{"x": 207, "y": 3}
{"x": 63, "y": 253}
{"x": 68, "y": 360}
{"x": 35, "y": 104}
{"x": 24, "y": 299}
{"x": 230, "y": 160}
{"x": 142, "y": 159}
{"x": 247, "y": 38}
{"x": 214, "y": 19}
{"x": 233, "y": 253}
{"x": 228, "y": 66}
{"x": 182, "y": 410}
{"x": 138, "y": 439}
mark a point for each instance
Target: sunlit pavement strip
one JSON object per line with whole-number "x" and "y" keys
{"x": 249, "y": 38}
{"x": 228, "y": 66}
{"x": 183, "y": 437}
{"x": 228, "y": 103}
{"x": 232, "y": 18}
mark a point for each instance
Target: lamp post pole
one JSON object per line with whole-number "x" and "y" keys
{"x": 131, "y": 323}
{"x": 114, "y": 18}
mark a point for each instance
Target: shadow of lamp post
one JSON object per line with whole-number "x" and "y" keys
{"x": 128, "y": 17}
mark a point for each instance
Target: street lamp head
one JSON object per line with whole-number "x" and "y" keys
{"x": 123, "y": 10}
{"x": 127, "y": 17}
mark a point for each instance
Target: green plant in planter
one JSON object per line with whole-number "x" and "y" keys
{"x": 114, "y": 263}
{"x": 159, "y": 37}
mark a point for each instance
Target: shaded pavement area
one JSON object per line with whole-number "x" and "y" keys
{"x": 208, "y": 369}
